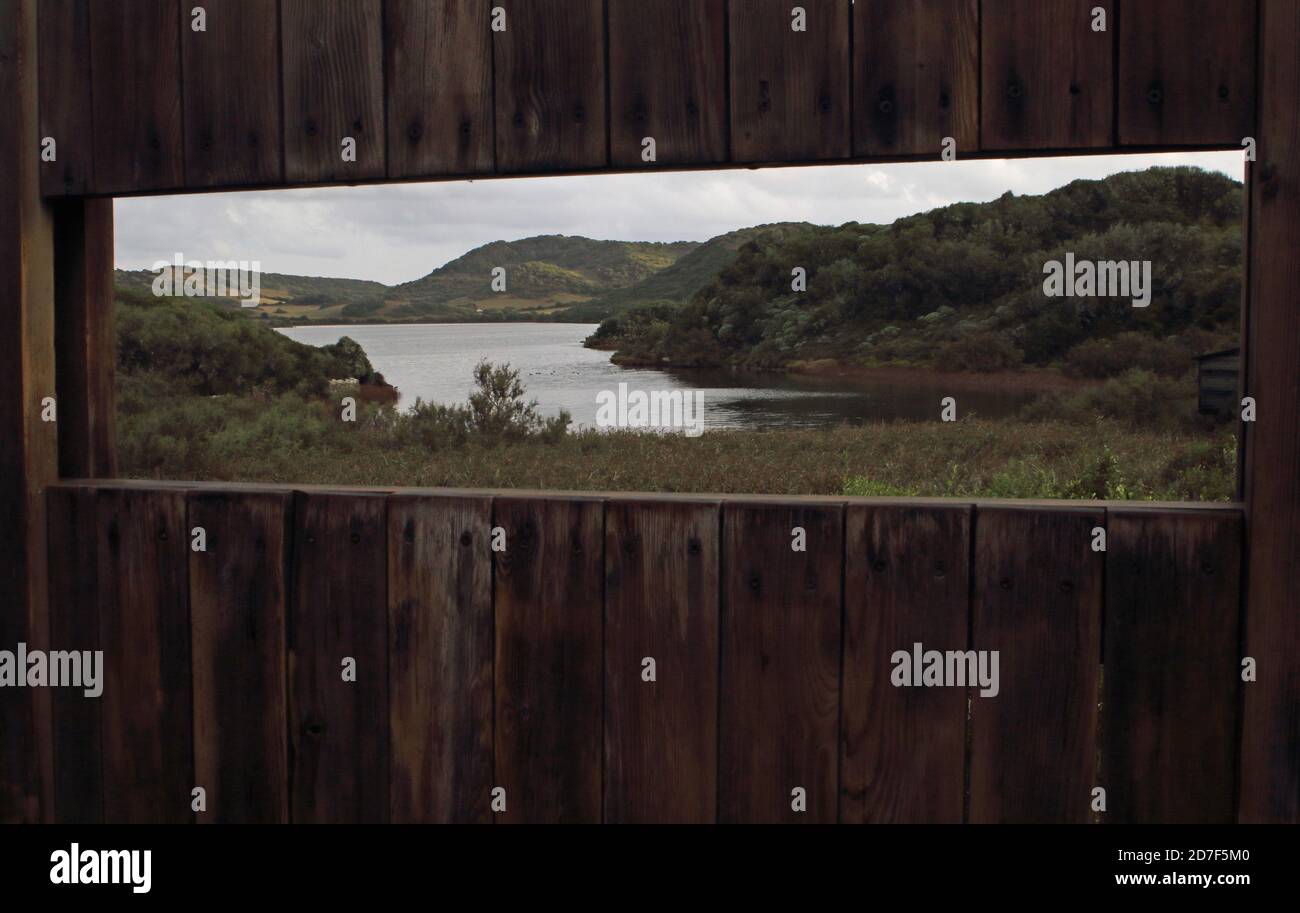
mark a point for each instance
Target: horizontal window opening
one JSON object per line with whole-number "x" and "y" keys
{"x": 1062, "y": 328}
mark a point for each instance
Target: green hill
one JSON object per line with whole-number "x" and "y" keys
{"x": 674, "y": 284}
{"x": 961, "y": 287}
{"x": 544, "y": 276}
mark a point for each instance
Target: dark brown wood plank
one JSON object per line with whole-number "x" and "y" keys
{"x": 1172, "y": 667}
{"x": 668, "y": 80}
{"x": 1270, "y": 759}
{"x": 74, "y": 626}
{"x": 790, "y": 95}
{"x": 548, "y": 659}
{"x": 440, "y": 658}
{"x": 439, "y": 87}
{"x": 1048, "y": 80}
{"x": 661, "y": 602}
{"x": 28, "y": 456}
{"x": 550, "y": 85}
{"x": 65, "y": 95}
{"x": 338, "y": 730}
{"x": 906, "y": 582}
{"x": 1186, "y": 72}
{"x": 144, "y": 631}
{"x": 233, "y": 126}
{"x": 780, "y": 686}
{"x": 85, "y": 338}
{"x": 237, "y": 611}
{"x": 915, "y": 76}
{"x": 1037, "y": 601}
{"x": 137, "y": 96}
{"x": 332, "y": 59}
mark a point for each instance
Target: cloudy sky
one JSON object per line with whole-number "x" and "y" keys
{"x": 397, "y": 233}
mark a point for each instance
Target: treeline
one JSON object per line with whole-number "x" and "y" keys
{"x": 961, "y": 287}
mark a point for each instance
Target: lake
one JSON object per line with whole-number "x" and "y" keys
{"x": 435, "y": 362}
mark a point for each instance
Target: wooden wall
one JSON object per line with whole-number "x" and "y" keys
{"x": 523, "y": 669}
{"x": 427, "y": 89}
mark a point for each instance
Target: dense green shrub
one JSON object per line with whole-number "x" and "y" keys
{"x": 983, "y": 352}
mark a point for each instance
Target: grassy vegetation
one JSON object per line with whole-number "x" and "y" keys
{"x": 294, "y": 441}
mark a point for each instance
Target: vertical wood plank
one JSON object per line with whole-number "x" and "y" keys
{"x": 28, "y": 455}
{"x": 74, "y": 626}
{"x": 85, "y": 337}
{"x": 550, "y": 85}
{"x": 790, "y": 96}
{"x": 916, "y": 76}
{"x": 1270, "y": 760}
{"x": 668, "y": 80}
{"x": 781, "y": 624}
{"x": 548, "y": 659}
{"x": 1048, "y": 80}
{"x": 237, "y": 610}
{"x": 1186, "y": 72}
{"x": 233, "y": 126}
{"x": 439, "y": 87}
{"x": 137, "y": 95}
{"x": 65, "y": 95}
{"x": 440, "y": 658}
{"x": 332, "y": 59}
{"x": 1038, "y": 592}
{"x": 144, "y": 631}
{"x": 1169, "y": 710}
{"x": 661, "y": 601}
{"x": 906, "y": 582}
{"x": 338, "y": 729}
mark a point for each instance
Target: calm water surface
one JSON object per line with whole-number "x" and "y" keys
{"x": 435, "y": 363}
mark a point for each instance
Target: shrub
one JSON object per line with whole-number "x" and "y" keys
{"x": 1103, "y": 358}
{"x": 982, "y": 351}
{"x": 1138, "y": 398}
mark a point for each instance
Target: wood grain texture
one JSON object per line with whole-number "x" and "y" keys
{"x": 790, "y": 94}
{"x": 438, "y": 60}
{"x": 85, "y": 337}
{"x": 78, "y": 796}
{"x": 440, "y": 658}
{"x": 906, "y": 582}
{"x": 1186, "y": 72}
{"x": 668, "y": 80}
{"x": 916, "y": 76}
{"x": 1048, "y": 80}
{"x": 144, "y": 631}
{"x": 1270, "y": 762}
{"x": 338, "y": 729}
{"x": 28, "y": 455}
{"x": 139, "y": 142}
{"x": 1037, "y": 601}
{"x": 65, "y": 96}
{"x": 333, "y": 72}
{"x": 1172, "y": 667}
{"x": 661, "y": 602}
{"x": 548, "y": 659}
{"x": 233, "y": 124}
{"x": 781, "y": 623}
{"x": 550, "y": 86}
{"x": 237, "y": 611}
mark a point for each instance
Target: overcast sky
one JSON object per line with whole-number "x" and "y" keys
{"x": 399, "y": 232}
